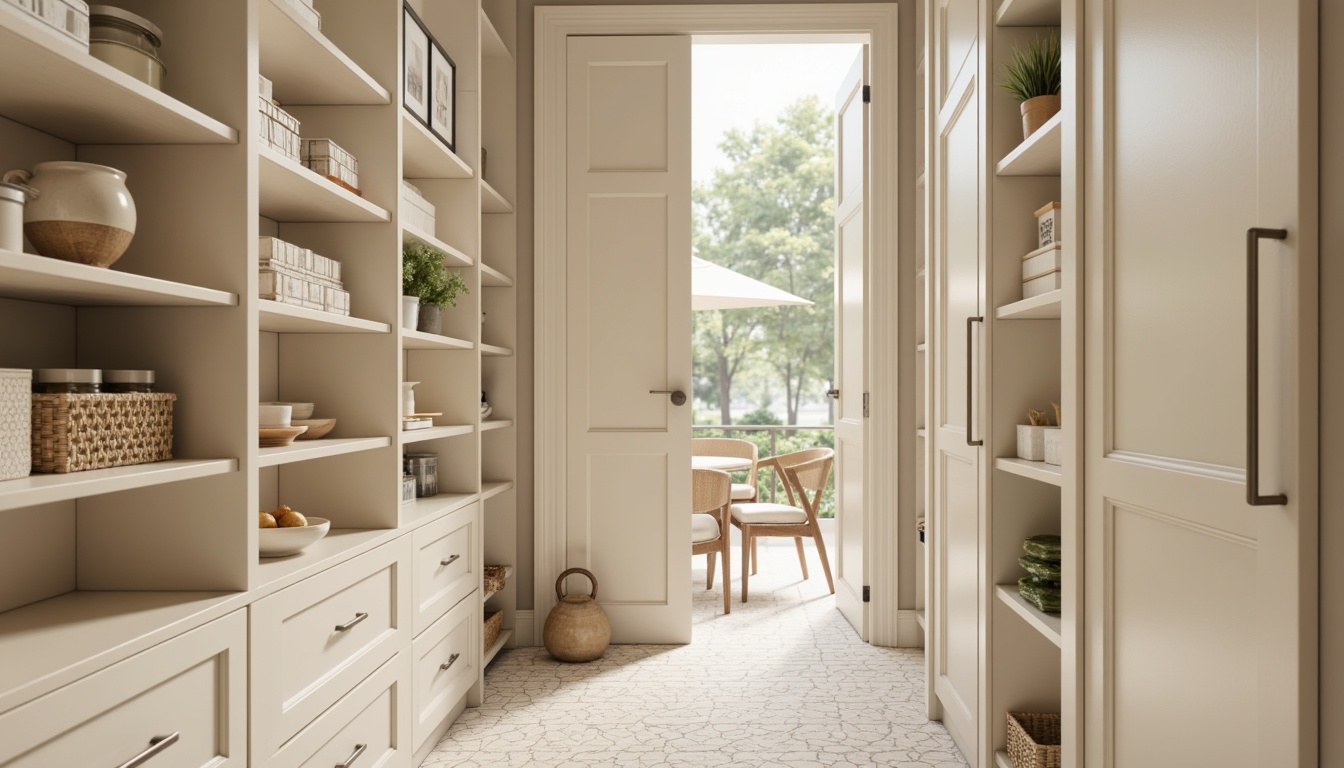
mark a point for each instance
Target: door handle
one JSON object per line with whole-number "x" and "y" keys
{"x": 156, "y": 745}
{"x": 970, "y": 388}
{"x": 675, "y": 395}
{"x": 834, "y": 394}
{"x": 1253, "y": 497}
{"x": 349, "y": 761}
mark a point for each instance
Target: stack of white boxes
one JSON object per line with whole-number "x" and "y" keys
{"x": 278, "y": 129}
{"x": 305, "y": 11}
{"x": 69, "y": 17}
{"x": 1041, "y": 267}
{"x": 293, "y": 275}
{"x": 416, "y": 211}
{"x": 325, "y": 158}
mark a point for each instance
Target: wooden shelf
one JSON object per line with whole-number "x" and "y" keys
{"x": 420, "y": 340}
{"x": 492, "y": 488}
{"x": 1034, "y": 470}
{"x": 494, "y": 650}
{"x": 492, "y": 45}
{"x": 1039, "y": 155}
{"x": 289, "y": 192}
{"x": 307, "y": 450}
{"x": 452, "y": 256}
{"x": 435, "y": 433}
{"x": 490, "y": 350}
{"x": 38, "y": 278}
{"x": 431, "y": 507}
{"x": 286, "y": 318}
{"x": 493, "y": 278}
{"x": 486, "y": 426}
{"x": 1047, "y": 624}
{"x": 492, "y": 201}
{"x": 44, "y": 489}
{"x": 1028, "y": 13}
{"x": 307, "y": 68}
{"x": 423, "y": 156}
{"x": 97, "y": 104}
{"x": 1047, "y": 306}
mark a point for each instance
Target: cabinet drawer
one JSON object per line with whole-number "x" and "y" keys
{"x": 372, "y": 716}
{"x": 455, "y": 641}
{"x": 312, "y": 642}
{"x": 447, "y": 564}
{"x": 194, "y": 686}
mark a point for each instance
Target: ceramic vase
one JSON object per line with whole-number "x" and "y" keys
{"x": 431, "y": 319}
{"x": 410, "y": 312}
{"x": 81, "y": 212}
{"x": 408, "y": 397}
{"x": 1036, "y": 112}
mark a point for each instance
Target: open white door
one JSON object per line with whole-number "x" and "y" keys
{"x": 851, "y": 245}
{"x": 629, "y": 330}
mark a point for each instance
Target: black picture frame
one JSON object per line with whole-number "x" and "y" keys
{"x": 416, "y": 44}
{"x": 442, "y": 95}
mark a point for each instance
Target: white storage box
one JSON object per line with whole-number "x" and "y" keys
{"x": 1041, "y": 261}
{"x": 281, "y": 287}
{"x": 1047, "y": 225}
{"x": 416, "y": 210}
{"x": 1054, "y": 446}
{"x": 326, "y": 158}
{"x": 336, "y": 300}
{"x": 16, "y": 422}
{"x": 280, "y": 130}
{"x": 266, "y": 88}
{"x": 1031, "y": 441}
{"x": 1041, "y": 285}
{"x": 70, "y": 18}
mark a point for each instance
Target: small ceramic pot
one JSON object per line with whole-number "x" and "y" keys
{"x": 12, "y": 199}
{"x": 431, "y": 319}
{"x": 410, "y": 312}
{"x": 82, "y": 212}
{"x": 1037, "y": 112}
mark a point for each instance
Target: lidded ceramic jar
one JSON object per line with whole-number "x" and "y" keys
{"x": 82, "y": 212}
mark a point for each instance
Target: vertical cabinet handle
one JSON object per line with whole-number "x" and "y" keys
{"x": 347, "y": 625}
{"x": 970, "y": 385}
{"x": 156, "y": 745}
{"x": 450, "y": 560}
{"x": 349, "y": 761}
{"x": 1253, "y": 237}
{"x": 451, "y": 661}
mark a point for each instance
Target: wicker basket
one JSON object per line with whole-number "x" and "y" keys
{"x": 1033, "y": 740}
{"x": 493, "y": 579}
{"x": 72, "y": 433}
{"x": 494, "y": 622}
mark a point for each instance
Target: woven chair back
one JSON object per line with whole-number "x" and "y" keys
{"x": 711, "y": 490}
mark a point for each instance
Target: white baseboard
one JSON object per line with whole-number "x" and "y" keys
{"x": 524, "y": 629}
{"x": 908, "y": 632}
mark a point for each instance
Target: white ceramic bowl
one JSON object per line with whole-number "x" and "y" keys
{"x": 273, "y": 415}
{"x": 298, "y": 411}
{"x": 278, "y": 542}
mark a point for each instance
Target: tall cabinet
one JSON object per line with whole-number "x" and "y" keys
{"x": 145, "y": 578}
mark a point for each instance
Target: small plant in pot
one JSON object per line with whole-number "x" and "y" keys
{"x": 427, "y": 285}
{"x": 1033, "y": 77}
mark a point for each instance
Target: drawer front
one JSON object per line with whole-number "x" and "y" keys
{"x": 372, "y": 716}
{"x": 453, "y": 641}
{"x": 311, "y": 643}
{"x": 447, "y": 564}
{"x": 194, "y": 686}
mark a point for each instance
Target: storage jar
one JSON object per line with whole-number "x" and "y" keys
{"x": 128, "y": 381}
{"x": 425, "y": 468}
{"x": 12, "y": 199}
{"x": 16, "y": 423}
{"x": 128, "y": 42}
{"x": 82, "y": 212}
{"x": 69, "y": 381}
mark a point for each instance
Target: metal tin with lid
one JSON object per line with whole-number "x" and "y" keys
{"x": 128, "y": 381}
{"x": 80, "y": 381}
{"x": 128, "y": 42}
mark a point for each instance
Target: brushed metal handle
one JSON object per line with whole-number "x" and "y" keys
{"x": 347, "y": 625}
{"x": 156, "y": 745}
{"x": 834, "y": 394}
{"x": 1253, "y": 496}
{"x": 349, "y": 761}
{"x": 675, "y": 395}
{"x": 970, "y": 387}
{"x": 450, "y": 560}
{"x": 451, "y": 661}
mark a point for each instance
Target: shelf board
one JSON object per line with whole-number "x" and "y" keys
{"x": 492, "y": 201}
{"x": 413, "y": 512}
{"x": 307, "y": 450}
{"x": 492, "y": 44}
{"x": 38, "y": 278}
{"x": 1002, "y": 760}
{"x": 452, "y": 256}
{"x": 44, "y": 488}
{"x": 1038, "y": 155}
{"x": 1047, "y": 306}
{"x": 97, "y": 104}
{"x": 1034, "y": 470}
{"x": 1028, "y": 13}
{"x": 1046, "y": 623}
{"x": 490, "y": 350}
{"x": 423, "y": 156}
{"x": 338, "y": 545}
{"x": 286, "y": 318}
{"x": 435, "y": 433}
{"x": 421, "y": 340}
{"x": 493, "y": 278}
{"x": 492, "y": 488}
{"x": 494, "y": 650}
{"x": 289, "y": 192}
{"x": 486, "y": 426}
{"x": 306, "y": 67}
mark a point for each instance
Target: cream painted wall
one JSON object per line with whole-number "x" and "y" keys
{"x": 1332, "y": 384}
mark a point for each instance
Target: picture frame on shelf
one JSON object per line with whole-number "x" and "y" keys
{"x": 442, "y": 95}
{"x": 416, "y": 44}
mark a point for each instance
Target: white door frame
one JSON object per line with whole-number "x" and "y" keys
{"x": 877, "y": 22}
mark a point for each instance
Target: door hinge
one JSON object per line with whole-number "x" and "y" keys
{"x": 867, "y": 94}
{"x": 865, "y": 595}
{"x": 865, "y": 405}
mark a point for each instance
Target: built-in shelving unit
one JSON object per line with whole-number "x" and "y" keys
{"x": 45, "y": 489}
{"x": 1035, "y": 470}
{"x": 436, "y": 433}
{"x": 36, "y": 278}
{"x": 286, "y": 318}
{"x": 291, "y": 193}
{"x": 307, "y": 450}
{"x": 1047, "y": 306}
{"x": 492, "y": 201}
{"x": 1037, "y": 155}
{"x": 453, "y": 256}
{"x": 491, "y": 350}
{"x": 1048, "y": 624}
{"x": 306, "y": 67}
{"x": 421, "y": 340}
{"x": 424, "y": 157}
{"x": 1028, "y": 13}
{"x": 492, "y": 488}
{"x": 504, "y": 637}
{"x": 493, "y": 278}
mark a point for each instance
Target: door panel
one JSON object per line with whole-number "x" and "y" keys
{"x": 959, "y": 235}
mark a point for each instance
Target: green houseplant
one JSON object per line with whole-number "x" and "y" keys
{"x": 428, "y": 286}
{"x": 1033, "y": 77}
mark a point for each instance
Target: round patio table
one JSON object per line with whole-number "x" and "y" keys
{"x": 724, "y": 463}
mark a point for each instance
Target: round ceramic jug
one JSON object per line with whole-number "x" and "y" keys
{"x": 577, "y": 628}
{"x": 83, "y": 212}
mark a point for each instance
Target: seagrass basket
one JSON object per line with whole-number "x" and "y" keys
{"x": 494, "y": 623}
{"x": 492, "y": 578}
{"x": 73, "y": 433}
{"x": 1033, "y": 740}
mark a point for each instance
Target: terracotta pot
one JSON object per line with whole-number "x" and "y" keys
{"x": 431, "y": 319}
{"x": 1036, "y": 112}
{"x": 82, "y": 212}
{"x": 577, "y": 628}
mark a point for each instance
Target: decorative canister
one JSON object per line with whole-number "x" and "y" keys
{"x": 16, "y": 423}
{"x": 12, "y": 199}
{"x": 407, "y": 488}
{"x": 577, "y": 628}
{"x": 128, "y": 42}
{"x": 83, "y": 212}
{"x": 129, "y": 381}
{"x": 425, "y": 468}
{"x": 69, "y": 381}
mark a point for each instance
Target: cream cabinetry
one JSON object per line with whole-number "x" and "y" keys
{"x": 446, "y": 564}
{"x": 443, "y": 667}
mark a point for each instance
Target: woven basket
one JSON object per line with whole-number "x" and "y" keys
{"x": 72, "y": 433}
{"x": 493, "y": 579}
{"x": 494, "y": 622}
{"x": 1033, "y": 740}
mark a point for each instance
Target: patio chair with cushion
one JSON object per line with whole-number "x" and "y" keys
{"x": 804, "y": 474}
{"x": 710, "y": 489}
{"x": 733, "y": 447}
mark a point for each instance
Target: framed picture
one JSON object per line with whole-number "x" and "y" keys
{"x": 442, "y": 95}
{"x": 415, "y": 65}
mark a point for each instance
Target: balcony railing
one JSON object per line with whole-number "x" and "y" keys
{"x": 775, "y": 431}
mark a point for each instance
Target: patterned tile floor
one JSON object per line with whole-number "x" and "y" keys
{"x": 781, "y": 681}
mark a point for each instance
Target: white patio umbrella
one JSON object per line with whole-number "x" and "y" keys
{"x": 716, "y": 287}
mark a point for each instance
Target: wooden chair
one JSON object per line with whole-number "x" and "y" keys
{"x": 710, "y": 492}
{"x": 731, "y": 446}
{"x": 804, "y": 473}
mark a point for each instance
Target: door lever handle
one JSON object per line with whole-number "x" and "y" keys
{"x": 675, "y": 395}
{"x": 834, "y": 394}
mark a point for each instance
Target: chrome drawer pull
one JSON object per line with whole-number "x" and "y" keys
{"x": 347, "y": 625}
{"x": 349, "y": 761}
{"x": 156, "y": 745}
{"x": 450, "y": 560}
{"x": 451, "y": 661}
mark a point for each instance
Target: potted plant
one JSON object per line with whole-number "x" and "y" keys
{"x": 1033, "y": 77}
{"x": 426, "y": 287}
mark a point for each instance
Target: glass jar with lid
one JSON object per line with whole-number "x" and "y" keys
{"x": 125, "y": 381}
{"x": 68, "y": 381}
{"x": 424, "y": 467}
